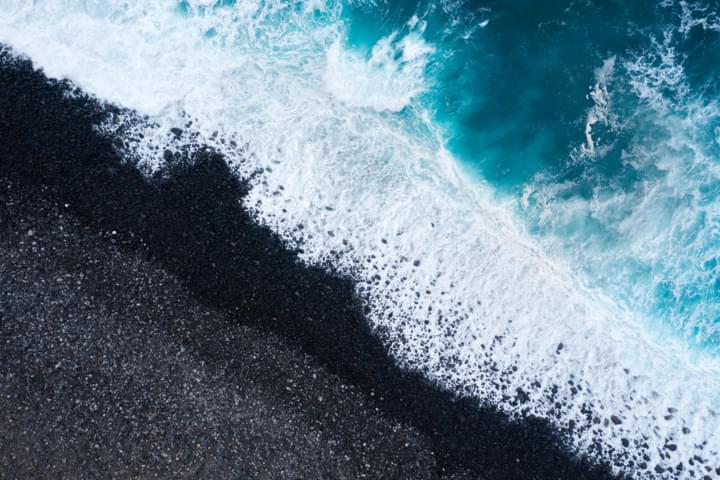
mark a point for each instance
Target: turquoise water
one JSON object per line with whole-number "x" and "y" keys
{"x": 633, "y": 202}
{"x": 511, "y": 91}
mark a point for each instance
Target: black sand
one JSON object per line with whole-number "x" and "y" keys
{"x": 162, "y": 332}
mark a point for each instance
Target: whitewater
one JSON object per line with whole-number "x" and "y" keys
{"x": 356, "y": 171}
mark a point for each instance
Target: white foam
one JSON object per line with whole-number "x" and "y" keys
{"x": 697, "y": 14}
{"x": 484, "y": 311}
{"x": 656, "y": 70}
{"x": 388, "y": 80}
{"x": 600, "y": 111}
{"x": 652, "y": 245}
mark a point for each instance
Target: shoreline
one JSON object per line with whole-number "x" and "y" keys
{"x": 189, "y": 221}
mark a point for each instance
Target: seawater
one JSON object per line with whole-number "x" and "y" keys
{"x": 599, "y": 119}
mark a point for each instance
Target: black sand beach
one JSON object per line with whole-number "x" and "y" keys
{"x": 152, "y": 329}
